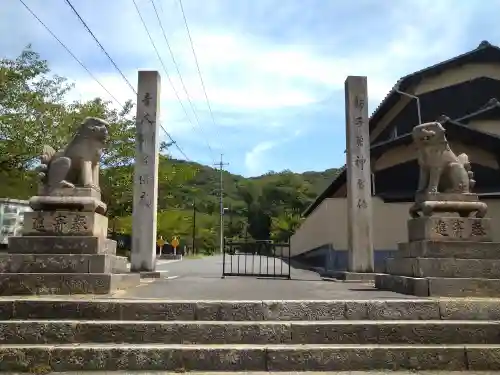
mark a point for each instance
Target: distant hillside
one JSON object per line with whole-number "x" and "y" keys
{"x": 262, "y": 207}
{"x": 308, "y": 184}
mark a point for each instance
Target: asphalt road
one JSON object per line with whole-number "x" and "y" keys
{"x": 211, "y": 267}
{"x": 200, "y": 279}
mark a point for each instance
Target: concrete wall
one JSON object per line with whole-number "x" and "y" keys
{"x": 327, "y": 225}
{"x": 321, "y": 228}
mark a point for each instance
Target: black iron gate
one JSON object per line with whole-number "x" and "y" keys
{"x": 256, "y": 258}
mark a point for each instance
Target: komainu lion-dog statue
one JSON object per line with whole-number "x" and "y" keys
{"x": 440, "y": 169}
{"x": 78, "y": 163}
{"x": 445, "y": 179}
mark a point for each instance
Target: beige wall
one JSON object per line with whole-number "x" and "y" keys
{"x": 327, "y": 224}
{"x": 487, "y": 126}
{"x": 457, "y": 75}
{"x": 320, "y": 228}
{"x": 406, "y": 153}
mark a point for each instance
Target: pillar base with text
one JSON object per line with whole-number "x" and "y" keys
{"x": 446, "y": 257}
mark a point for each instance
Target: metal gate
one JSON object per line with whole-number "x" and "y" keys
{"x": 256, "y": 258}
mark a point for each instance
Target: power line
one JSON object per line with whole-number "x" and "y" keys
{"x": 175, "y": 143}
{"x": 90, "y": 73}
{"x": 100, "y": 45}
{"x": 119, "y": 70}
{"x": 163, "y": 65}
{"x": 196, "y": 60}
{"x": 180, "y": 77}
{"x": 71, "y": 53}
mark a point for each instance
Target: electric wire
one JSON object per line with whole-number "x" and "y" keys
{"x": 196, "y": 61}
{"x": 100, "y": 45}
{"x": 180, "y": 77}
{"x": 121, "y": 73}
{"x": 164, "y": 67}
{"x": 71, "y": 53}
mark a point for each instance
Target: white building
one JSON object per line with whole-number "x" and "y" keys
{"x": 11, "y": 218}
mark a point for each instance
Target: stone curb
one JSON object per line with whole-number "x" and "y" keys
{"x": 180, "y": 358}
{"x": 332, "y": 332}
{"x": 23, "y": 284}
{"x": 116, "y": 309}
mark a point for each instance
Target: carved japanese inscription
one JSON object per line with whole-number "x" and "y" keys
{"x": 146, "y": 172}
{"x": 449, "y": 229}
{"x": 65, "y": 223}
{"x": 359, "y": 213}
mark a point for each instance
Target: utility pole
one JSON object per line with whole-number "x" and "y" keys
{"x": 194, "y": 227}
{"x": 230, "y": 220}
{"x": 221, "y": 164}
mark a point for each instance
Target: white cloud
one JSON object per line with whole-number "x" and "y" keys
{"x": 247, "y": 74}
{"x": 254, "y": 158}
{"x": 256, "y": 57}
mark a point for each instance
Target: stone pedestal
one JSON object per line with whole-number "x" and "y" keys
{"x": 78, "y": 199}
{"x": 63, "y": 251}
{"x": 445, "y": 256}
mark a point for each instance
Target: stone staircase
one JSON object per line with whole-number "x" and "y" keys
{"x": 61, "y": 334}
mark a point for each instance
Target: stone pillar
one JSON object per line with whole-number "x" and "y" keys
{"x": 359, "y": 202}
{"x": 143, "y": 257}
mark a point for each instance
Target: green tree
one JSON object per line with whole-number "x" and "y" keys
{"x": 34, "y": 112}
{"x": 284, "y": 226}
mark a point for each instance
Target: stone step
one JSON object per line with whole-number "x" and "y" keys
{"x": 180, "y": 358}
{"x": 117, "y": 309}
{"x": 62, "y": 245}
{"x": 178, "y": 332}
{"x": 439, "y": 286}
{"x": 373, "y": 372}
{"x": 448, "y": 249}
{"x": 62, "y": 263}
{"x": 444, "y": 267}
{"x": 14, "y": 284}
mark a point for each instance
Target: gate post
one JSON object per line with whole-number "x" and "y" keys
{"x": 359, "y": 194}
{"x": 224, "y": 259}
{"x": 143, "y": 256}
{"x": 289, "y": 258}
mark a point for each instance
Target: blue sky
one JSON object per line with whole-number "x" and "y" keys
{"x": 274, "y": 70}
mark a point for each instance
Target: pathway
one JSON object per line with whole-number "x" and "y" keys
{"x": 200, "y": 279}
